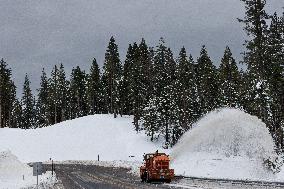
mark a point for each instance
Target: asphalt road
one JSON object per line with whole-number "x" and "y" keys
{"x": 92, "y": 176}
{"x": 78, "y": 176}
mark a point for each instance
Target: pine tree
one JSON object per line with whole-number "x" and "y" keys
{"x": 137, "y": 86}
{"x": 256, "y": 59}
{"x": 112, "y": 76}
{"x": 187, "y": 90}
{"x": 7, "y": 95}
{"x": 160, "y": 74}
{"x": 165, "y": 94}
{"x": 17, "y": 115}
{"x": 78, "y": 96}
{"x": 168, "y": 112}
{"x": 152, "y": 118}
{"x": 125, "y": 84}
{"x": 28, "y": 103}
{"x": 94, "y": 89}
{"x": 146, "y": 61}
{"x": 206, "y": 82}
{"x": 256, "y": 29}
{"x": 141, "y": 81}
{"x": 53, "y": 96}
{"x": 243, "y": 90}
{"x": 42, "y": 101}
{"x": 63, "y": 95}
{"x": 229, "y": 81}
{"x": 149, "y": 119}
{"x": 275, "y": 58}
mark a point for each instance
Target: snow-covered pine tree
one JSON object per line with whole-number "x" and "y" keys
{"x": 53, "y": 96}
{"x": 7, "y": 94}
{"x": 112, "y": 76}
{"x": 167, "y": 106}
{"x": 206, "y": 82}
{"x": 78, "y": 97}
{"x": 139, "y": 80}
{"x": 160, "y": 117}
{"x": 136, "y": 80}
{"x": 125, "y": 86}
{"x": 255, "y": 58}
{"x": 156, "y": 124}
{"x": 275, "y": 58}
{"x": 149, "y": 119}
{"x": 160, "y": 74}
{"x": 146, "y": 63}
{"x": 244, "y": 87}
{"x": 15, "y": 120}
{"x": 94, "y": 89}
{"x": 168, "y": 115}
{"x": 256, "y": 28}
{"x": 104, "y": 98}
{"x": 136, "y": 85}
{"x": 42, "y": 102}
{"x": 28, "y": 103}
{"x": 151, "y": 73}
{"x": 229, "y": 81}
{"x": 17, "y": 115}
{"x": 63, "y": 95}
{"x": 186, "y": 90}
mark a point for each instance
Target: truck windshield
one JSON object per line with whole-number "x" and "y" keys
{"x": 162, "y": 164}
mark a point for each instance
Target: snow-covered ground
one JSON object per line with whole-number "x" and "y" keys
{"x": 227, "y": 143}
{"x": 114, "y": 140}
{"x": 15, "y": 174}
{"x": 79, "y": 139}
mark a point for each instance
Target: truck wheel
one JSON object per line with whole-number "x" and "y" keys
{"x": 148, "y": 180}
{"x": 143, "y": 177}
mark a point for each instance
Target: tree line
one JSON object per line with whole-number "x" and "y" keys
{"x": 165, "y": 94}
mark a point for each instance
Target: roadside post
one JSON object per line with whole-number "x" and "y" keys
{"x": 52, "y": 167}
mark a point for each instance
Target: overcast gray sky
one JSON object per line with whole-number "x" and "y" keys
{"x": 36, "y": 34}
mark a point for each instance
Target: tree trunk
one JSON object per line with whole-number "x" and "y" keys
{"x": 1, "y": 126}
{"x": 167, "y": 133}
{"x": 55, "y": 114}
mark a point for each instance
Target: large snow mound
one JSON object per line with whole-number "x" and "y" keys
{"x": 226, "y": 143}
{"x": 15, "y": 174}
{"x": 79, "y": 139}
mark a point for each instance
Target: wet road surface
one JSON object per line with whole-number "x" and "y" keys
{"x": 93, "y": 176}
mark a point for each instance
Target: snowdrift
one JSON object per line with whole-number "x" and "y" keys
{"x": 15, "y": 174}
{"x": 79, "y": 139}
{"x": 226, "y": 143}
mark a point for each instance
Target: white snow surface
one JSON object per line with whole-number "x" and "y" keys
{"x": 15, "y": 174}
{"x": 226, "y": 143}
{"x": 79, "y": 139}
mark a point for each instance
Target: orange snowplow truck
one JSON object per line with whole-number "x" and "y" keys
{"x": 156, "y": 168}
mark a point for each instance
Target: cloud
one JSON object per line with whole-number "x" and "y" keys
{"x": 36, "y": 34}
